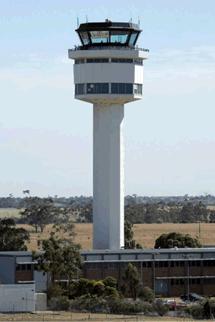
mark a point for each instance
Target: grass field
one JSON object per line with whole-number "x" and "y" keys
{"x": 9, "y": 212}
{"x": 145, "y": 234}
{"x": 71, "y": 316}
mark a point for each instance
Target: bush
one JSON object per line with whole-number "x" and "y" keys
{"x": 196, "y": 311}
{"x": 98, "y": 288}
{"x": 121, "y": 306}
{"x": 146, "y": 294}
{"x": 203, "y": 310}
{"x": 174, "y": 239}
{"x": 111, "y": 292}
{"x": 92, "y": 287}
{"x": 54, "y": 290}
{"x": 160, "y": 307}
{"x": 60, "y": 303}
{"x": 110, "y": 281}
{"x": 90, "y": 303}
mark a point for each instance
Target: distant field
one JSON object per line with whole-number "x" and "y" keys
{"x": 9, "y": 212}
{"x": 144, "y": 234}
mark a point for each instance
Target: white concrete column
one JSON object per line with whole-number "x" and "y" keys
{"x": 108, "y": 177}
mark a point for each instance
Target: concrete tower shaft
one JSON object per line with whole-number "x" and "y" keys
{"x": 108, "y": 72}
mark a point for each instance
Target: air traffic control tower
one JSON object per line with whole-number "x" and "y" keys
{"x": 108, "y": 72}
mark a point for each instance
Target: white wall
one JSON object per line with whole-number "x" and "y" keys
{"x": 108, "y": 73}
{"x": 108, "y": 177}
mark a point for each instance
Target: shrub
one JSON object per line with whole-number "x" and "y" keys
{"x": 98, "y": 288}
{"x": 90, "y": 303}
{"x": 111, "y": 292}
{"x": 160, "y": 307}
{"x": 120, "y": 306}
{"x": 54, "y": 290}
{"x": 203, "y": 310}
{"x": 110, "y": 281}
{"x": 60, "y": 303}
{"x": 146, "y": 294}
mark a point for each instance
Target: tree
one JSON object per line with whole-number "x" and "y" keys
{"x": 11, "y": 237}
{"x": 61, "y": 258}
{"x": 130, "y": 243}
{"x": 176, "y": 240}
{"x": 129, "y": 234}
{"x": 39, "y": 212}
{"x": 131, "y": 280}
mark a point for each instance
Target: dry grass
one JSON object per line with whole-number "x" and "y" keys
{"x": 145, "y": 234}
{"x": 70, "y": 316}
{"x": 9, "y": 212}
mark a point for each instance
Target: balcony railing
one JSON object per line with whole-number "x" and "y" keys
{"x": 107, "y": 47}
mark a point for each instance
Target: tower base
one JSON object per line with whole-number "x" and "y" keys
{"x": 108, "y": 177}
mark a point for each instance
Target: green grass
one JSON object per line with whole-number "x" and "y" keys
{"x": 9, "y": 212}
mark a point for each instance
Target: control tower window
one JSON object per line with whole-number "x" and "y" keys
{"x": 121, "y": 88}
{"x": 85, "y": 38}
{"x": 133, "y": 38}
{"x": 97, "y": 88}
{"x": 79, "y": 89}
{"x": 99, "y": 36}
{"x": 119, "y": 36}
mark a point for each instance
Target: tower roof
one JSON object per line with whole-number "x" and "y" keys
{"x": 108, "y": 33}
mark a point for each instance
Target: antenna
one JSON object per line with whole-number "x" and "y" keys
{"x": 77, "y": 22}
{"x": 86, "y": 18}
{"x": 138, "y": 21}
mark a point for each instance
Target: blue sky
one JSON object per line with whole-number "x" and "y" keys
{"x": 46, "y": 136}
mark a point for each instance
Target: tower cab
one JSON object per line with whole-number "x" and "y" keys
{"x": 108, "y": 65}
{"x": 108, "y": 34}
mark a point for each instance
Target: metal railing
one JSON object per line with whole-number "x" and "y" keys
{"x": 107, "y": 47}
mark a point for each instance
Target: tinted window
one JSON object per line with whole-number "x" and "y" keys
{"x": 79, "y": 89}
{"x": 97, "y": 60}
{"x": 99, "y": 36}
{"x": 133, "y": 38}
{"x": 122, "y": 60}
{"x": 119, "y": 36}
{"x": 79, "y": 61}
{"x": 97, "y": 88}
{"x": 85, "y": 38}
{"x": 121, "y": 88}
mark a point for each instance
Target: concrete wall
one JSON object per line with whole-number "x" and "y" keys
{"x": 108, "y": 73}
{"x": 41, "y": 281}
{"x": 108, "y": 177}
{"x": 17, "y": 298}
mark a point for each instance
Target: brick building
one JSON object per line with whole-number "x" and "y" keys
{"x": 169, "y": 272}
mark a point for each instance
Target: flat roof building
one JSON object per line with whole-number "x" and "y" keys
{"x": 169, "y": 272}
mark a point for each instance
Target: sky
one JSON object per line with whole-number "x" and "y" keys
{"x": 46, "y": 135}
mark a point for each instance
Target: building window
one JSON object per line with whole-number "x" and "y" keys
{"x": 138, "y": 61}
{"x": 97, "y": 88}
{"x": 97, "y": 60}
{"x": 122, "y": 60}
{"x": 138, "y": 89}
{"x": 121, "y": 88}
{"x": 209, "y": 263}
{"x": 79, "y": 61}
{"x": 79, "y": 89}
{"x": 23, "y": 267}
{"x": 18, "y": 268}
